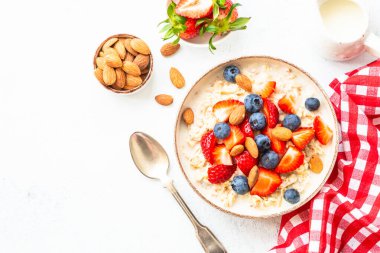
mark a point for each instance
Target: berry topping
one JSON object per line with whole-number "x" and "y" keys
{"x": 322, "y": 131}
{"x": 223, "y": 109}
{"x": 264, "y": 90}
{"x": 287, "y": 104}
{"x": 292, "y": 122}
{"x": 312, "y": 104}
{"x": 257, "y": 121}
{"x": 222, "y": 130}
{"x": 291, "y": 161}
{"x": 276, "y": 145}
{"x": 267, "y": 183}
{"x": 221, "y": 155}
{"x": 240, "y": 184}
{"x": 292, "y": 196}
{"x": 253, "y": 103}
{"x": 194, "y": 8}
{"x": 269, "y": 160}
{"x": 246, "y": 128}
{"x": 207, "y": 144}
{"x": 262, "y": 142}
{"x": 220, "y": 173}
{"x": 245, "y": 162}
{"x": 236, "y": 137}
{"x": 230, "y": 72}
{"x": 271, "y": 113}
{"x": 302, "y": 137}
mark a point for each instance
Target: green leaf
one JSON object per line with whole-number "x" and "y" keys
{"x": 238, "y": 23}
{"x": 215, "y": 11}
{"x": 212, "y": 29}
{"x": 222, "y": 3}
{"x": 176, "y": 40}
{"x": 232, "y": 8}
{"x": 164, "y": 21}
{"x": 211, "y": 46}
{"x": 170, "y": 10}
{"x": 202, "y": 30}
{"x": 165, "y": 28}
{"x": 200, "y": 21}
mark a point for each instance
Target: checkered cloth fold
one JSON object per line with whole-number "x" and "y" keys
{"x": 344, "y": 216}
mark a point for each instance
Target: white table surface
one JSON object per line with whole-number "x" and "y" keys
{"x": 67, "y": 182}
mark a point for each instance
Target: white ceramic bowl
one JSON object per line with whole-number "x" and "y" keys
{"x": 242, "y": 208}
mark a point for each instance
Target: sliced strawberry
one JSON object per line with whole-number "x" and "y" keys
{"x": 223, "y": 109}
{"x": 194, "y": 8}
{"x": 323, "y": 132}
{"x": 207, "y": 144}
{"x": 292, "y": 159}
{"x": 220, "y": 173}
{"x": 302, "y": 137}
{"x": 264, "y": 90}
{"x": 245, "y": 162}
{"x": 191, "y": 31}
{"x": 267, "y": 183}
{"x": 224, "y": 12}
{"x": 287, "y": 104}
{"x": 246, "y": 128}
{"x": 276, "y": 145}
{"x": 271, "y": 113}
{"x": 221, "y": 155}
{"x": 236, "y": 137}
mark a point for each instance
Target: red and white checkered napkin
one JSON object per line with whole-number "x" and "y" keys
{"x": 344, "y": 216}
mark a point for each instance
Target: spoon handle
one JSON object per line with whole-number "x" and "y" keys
{"x": 207, "y": 239}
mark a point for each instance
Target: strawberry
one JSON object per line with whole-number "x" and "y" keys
{"x": 245, "y": 162}
{"x": 194, "y": 8}
{"x": 207, "y": 145}
{"x": 322, "y": 131}
{"x": 267, "y": 183}
{"x": 287, "y": 104}
{"x": 271, "y": 113}
{"x": 276, "y": 145}
{"x": 246, "y": 128}
{"x": 236, "y": 137}
{"x": 191, "y": 31}
{"x": 220, "y": 173}
{"x": 224, "y": 12}
{"x": 223, "y": 109}
{"x": 302, "y": 137}
{"x": 292, "y": 159}
{"x": 221, "y": 155}
{"x": 264, "y": 90}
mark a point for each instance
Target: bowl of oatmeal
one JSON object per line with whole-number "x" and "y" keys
{"x": 262, "y": 139}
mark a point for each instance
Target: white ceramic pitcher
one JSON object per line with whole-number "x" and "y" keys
{"x": 344, "y": 32}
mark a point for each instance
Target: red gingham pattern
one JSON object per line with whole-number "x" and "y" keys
{"x": 344, "y": 216}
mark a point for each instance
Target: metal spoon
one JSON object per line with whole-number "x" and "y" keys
{"x": 153, "y": 162}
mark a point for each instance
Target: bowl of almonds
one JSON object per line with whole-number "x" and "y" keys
{"x": 123, "y": 63}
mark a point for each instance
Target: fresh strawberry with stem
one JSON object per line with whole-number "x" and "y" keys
{"x": 220, "y": 173}
{"x": 223, "y": 109}
{"x": 208, "y": 141}
{"x": 224, "y": 10}
{"x": 271, "y": 113}
{"x": 323, "y": 132}
{"x": 245, "y": 162}
{"x": 191, "y": 31}
{"x": 265, "y": 89}
{"x": 302, "y": 137}
{"x": 267, "y": 183}
{"x": 246, "y": 128}
{"x": 221, "y": 155}
{"x": 276, "y": 145}
{"x": 236, "y": 137}
{"x": 287, "y": 104}
{"x": 291, "y": 161}
{"x": 194, "y": 9}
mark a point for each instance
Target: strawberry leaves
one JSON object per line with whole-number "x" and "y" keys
{"x": 174, "y": 24}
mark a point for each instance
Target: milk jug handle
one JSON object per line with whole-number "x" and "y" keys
{"x": 372, "y": 44}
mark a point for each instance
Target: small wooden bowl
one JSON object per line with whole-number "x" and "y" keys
{"x": 148, "y": 75}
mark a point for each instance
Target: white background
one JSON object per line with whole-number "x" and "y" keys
{"x": 67, "y": 182}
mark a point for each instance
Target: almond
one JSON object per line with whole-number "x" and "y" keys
{"x": 237, "y": 115}
{"x": 140, "y": 46}
{"x": 110, "y": 50}
{"x": 142, "y": 61}
{"x": 109, "y": 75}
{"x": 114, "y": 86}
{"x": 119, "y": 47}
{"x": 237, "y": 150}
{"x": 164, "y": 99}
{"x": 253, "y": 176}
{"x": 145, "y": 71}
{"x": 177, "y": 78}
{"x": 120, "y": 78}
{"x": 129, "y": 57}
{"x": 169, "y": 49}
{"x": 316, "y": 164}
{"x": 99, "y": 75}
{"x": 101, "y": 54}
{"x": 188, "y": 116}
{"x": 251, "y": 146}
{"x": 244, "y": 82}
{"x": 127, "y": 44}
{"x": 131, "y": 68}
{"x": 109, "y": 43}
{"x": 133, "y": 81}
{"x": 100, "y": 62}
{"x": 282, "y": 133}
{"x": 113, "y": 60}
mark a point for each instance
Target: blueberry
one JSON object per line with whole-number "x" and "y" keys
{"x": 262, "y": 142}
{"x": 222, "y": 130}
{"x": 257, "y": 121}
{"x": 253, "y": 103}
{"x": 269, "y": 160}
{"x": 292, "y": 196}
{"x": 230, "y": 72}
{"x": 312, "y": 104}
{"x": 291, "y": 121}
{"x": 240, "y": 184}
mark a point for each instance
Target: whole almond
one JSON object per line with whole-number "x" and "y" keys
{"x": 282, "y": 133}
{"x": 253, "y": 176}
{"x": 109, "y": 75}
{"x": 145, "y": 71}
{"x": 119, "y": 47}
{"x": 164, "y": 99}
{"x": 127, "y": 44}
{"x": 120, "y": 78}
{"x": 133, "y": 81}
{"x": 100, "y": 62}
{"x": 316, "y": 164}
{"x": 109, "y": 43}
{"x": 237, "y": 150}
{"x": 129, "y": 57}
{"x": 114, "y": 86}
{"x": 188, "y": 116}
{"x": 131, "y": 68}
{"x": 251, "y": 146}
{"x": 169, "y": 49}
{"x": 110, "y": 50}
{"x": 101, "y": 54}
{"x": 177, "y": 78}
{"x": 113, "y": 60}
{"x": 237, "y": 115}
{"x": 140, "y": 46}
{"x": 244, "y": 82}
{"x": 142, "y": 61}
{"x": 99, "y": 75}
